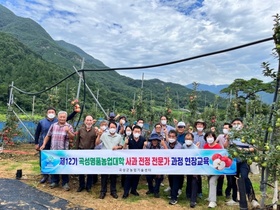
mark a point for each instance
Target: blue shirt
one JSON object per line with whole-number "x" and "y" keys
{"x": 181, "y": 138}
{"x": 200, "y": 139}
{"x": 192, "y": 146}
{"x": 177, "y": 145}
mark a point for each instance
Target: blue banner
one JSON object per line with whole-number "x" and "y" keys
{"x": 176, "y": 161}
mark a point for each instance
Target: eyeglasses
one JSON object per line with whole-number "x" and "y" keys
{"x": 158, "y": 127}
{"x": 181, "y": 127}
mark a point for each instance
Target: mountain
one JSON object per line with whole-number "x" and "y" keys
{"x": 34, "y": 61}
{"x": 265, "y": 97}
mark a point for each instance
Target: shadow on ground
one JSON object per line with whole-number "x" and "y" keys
{"x": 17, "y": 195}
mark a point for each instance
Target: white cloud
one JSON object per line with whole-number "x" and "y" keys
{"x": 145, "y": 32}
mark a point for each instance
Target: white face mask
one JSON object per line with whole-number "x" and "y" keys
{"x": 51, "y": 116}
{"x": 103, "y": 127}
{"x": 225, "y": 131}
{"x": 210, "y": 140}
{"x": 237, "y": 127}
{"x": 128, "y": 133}
{"x": 199, "y": 129}
{"x": 140, "y": 125}
{"x": 163, "y": 122}
{"x": 171, "y": 140}
{"x": 136, "y": 135}
{"x": 122, "y": 121}
{"x": 112, "y": 130}
{"x": 188, "y": 142}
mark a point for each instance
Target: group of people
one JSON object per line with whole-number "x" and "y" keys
{"x": 115, "y": 134}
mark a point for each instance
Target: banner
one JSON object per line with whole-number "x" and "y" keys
{"x": 143, "y": 161}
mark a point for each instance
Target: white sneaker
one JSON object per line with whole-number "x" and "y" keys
{"x": 232, "y": 203}
{"x": 167, "y": 189}
{"x": 255, "y": 204}
{"x": 161, "y": 184}
{"x": 212, "y": 204}
{"x": 179, "y": 192}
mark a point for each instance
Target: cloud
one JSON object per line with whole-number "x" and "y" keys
{"x": 137, "y": 32}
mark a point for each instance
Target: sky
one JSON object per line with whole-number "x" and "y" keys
{"x": 130, "y": 33}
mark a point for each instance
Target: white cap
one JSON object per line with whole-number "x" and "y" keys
{"x": 181, "y": 124}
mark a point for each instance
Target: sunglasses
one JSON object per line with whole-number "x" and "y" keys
{"x": 181, "y": 127}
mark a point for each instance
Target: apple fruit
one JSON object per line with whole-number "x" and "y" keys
{"x": 270, "y": 129}
{"x": 243, "y": 140}
{"x": 278, "y": 147}
{"x": 235, "y": 154}
{"x": 277, "y": 124}
{"x": 249, "y": 161}
{"x": 264, "y": 164}
{"x": 227, "y": 160}
{"x": 266, "y": 147}
{"x": 256, "y": 158}
{"x": 216, "y": 156}
{"x": 219, "y": 164}
{"x": 253, "y": 141}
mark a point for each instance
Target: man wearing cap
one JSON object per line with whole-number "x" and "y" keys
{"x": 199, "y": 125}
{"x": 155, "y": 142}
{"x": 181, "y": 132}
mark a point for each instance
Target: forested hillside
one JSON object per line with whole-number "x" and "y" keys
{"x": 34, "y": 61}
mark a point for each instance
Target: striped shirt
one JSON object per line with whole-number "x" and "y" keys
{"x": 59, "y": 137}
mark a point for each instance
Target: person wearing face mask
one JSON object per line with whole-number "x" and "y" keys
{"x": 127, "y": 134}
{"x": 222, "y": 139}
{"x": 59, "y": 133}
{"x": 140, "y": 123}
{"x": 110, "y": 140}
{"x": 121, "y": 125}
{"x": 165, "y": 128}
{"x": 210, "y": 138}
{"x": 103, "y": 127}
{"x": 174, "y": 180}
{"x": 42, "y": 130}
{"x": 134, "y": 141}
{"x": 155, "y": 142}
{"x": 86, "y": 138}
{"x": 192, "y": 180}
{"x": 200, "y": 126}
{"x": 242, "y": 167}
